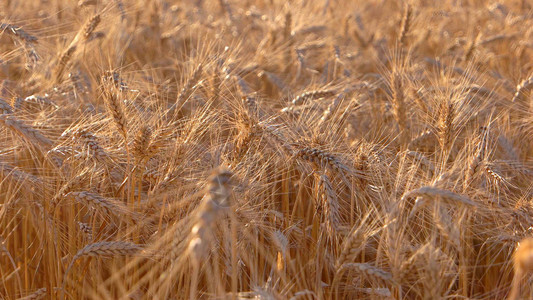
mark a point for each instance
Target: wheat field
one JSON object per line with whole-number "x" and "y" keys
{"x": 266, "y": 149}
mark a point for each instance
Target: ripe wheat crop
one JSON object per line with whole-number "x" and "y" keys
{"x": 266, "y": 149}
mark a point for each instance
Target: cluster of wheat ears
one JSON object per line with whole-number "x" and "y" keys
{"x": 266, "y": 149}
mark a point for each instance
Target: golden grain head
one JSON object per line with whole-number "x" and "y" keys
{"x": 155, "y": 149}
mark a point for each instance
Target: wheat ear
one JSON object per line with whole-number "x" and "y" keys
{"x": 18, "y": 33}
{"x": 330, "y": 205}
{"x": 405, "y": 24}
{"x": 398, "y": 101}
{"x": 92, "y": 144}
{"x": 187, "y": 90}
{"x": 103, "y": 249}
{"x": 86, "y": 229}
{"x": 322, "y": 158}
{"x": 438, "y": 193}
{"x": 310, "y": 95}
{"x": 38, "y": 294}
{"x": 90, "y": 26}
{"x": 5, "y": 108}
{"x": 368, "y": 270}
{"x": 142, "y": 145}
{"x": 109, "y": 206}
{"x": 25, "y": 131}
{"x": 213, "y": 205}
{"x": 63, "y": 60}
{"x": 116, "y": 109}
{"x": 446, "y": 126}
{"x": 523, "y": 264}
{"x": 521, "y": 89}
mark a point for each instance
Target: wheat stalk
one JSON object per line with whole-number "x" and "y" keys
{"x": 287, "y": 30}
